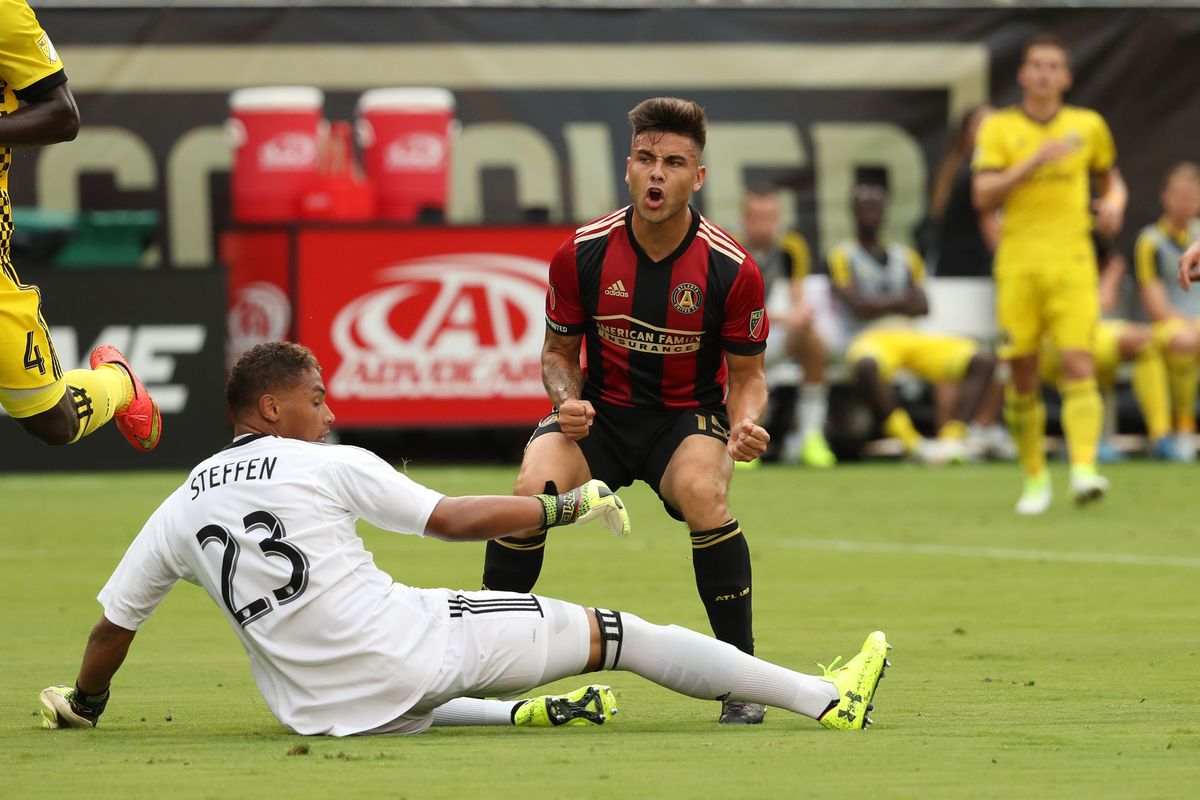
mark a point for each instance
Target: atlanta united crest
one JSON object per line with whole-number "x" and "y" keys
{"x": 687, "y": 298}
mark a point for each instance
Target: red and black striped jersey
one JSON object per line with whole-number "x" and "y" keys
{"x": 656, "y": 333}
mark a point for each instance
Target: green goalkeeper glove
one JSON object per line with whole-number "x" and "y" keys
{"x": 64, "y": 707}
{"x": 593, "y": 500}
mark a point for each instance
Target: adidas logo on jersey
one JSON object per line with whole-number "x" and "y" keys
{"x": 616, "y": 290}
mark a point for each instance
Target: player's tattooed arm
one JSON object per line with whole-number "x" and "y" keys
{"x": 563, "y": 379}
{"x": 561, "y": 373}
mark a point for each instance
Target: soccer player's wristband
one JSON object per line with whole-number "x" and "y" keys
{"x": 89, "y": 705}
{"x": 561, "y": 509}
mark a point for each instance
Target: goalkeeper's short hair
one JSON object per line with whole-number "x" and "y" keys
{"x": 264, "y": 368}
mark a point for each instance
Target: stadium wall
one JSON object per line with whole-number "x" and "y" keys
{"x": 800, "y": 96}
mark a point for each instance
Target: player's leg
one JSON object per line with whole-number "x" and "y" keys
{"x": 1118, "y": 341}
{"x": 812, "y": 401}
{"x": 690, "y": 469}
{"x": 551, "y": 462}
{"x": 874, "y": 360}
{"x": 504, "y": 644}
{"x": 51, "y": 406}
{"x": 1019, "y": 318}
{"x": 1073, "y": 315}
{"x": 489, "y": 653}
{"x": 1106, "y": 355}
{"x": 705, "y": 668}
{"x": 1179, "y": 341}
{"x": 939, "y": 359}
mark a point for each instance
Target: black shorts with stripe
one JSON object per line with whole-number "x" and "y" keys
{"x": 628, "y": 444}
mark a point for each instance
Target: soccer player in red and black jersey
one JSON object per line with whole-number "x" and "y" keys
{"x": 670, "y": 310}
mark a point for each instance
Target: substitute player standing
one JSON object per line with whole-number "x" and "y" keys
{"x": 1034, "y": 162}
{"x": 37, "y": 108}
{"x": 670, "y": 309}
{"x": 267, "y": 527}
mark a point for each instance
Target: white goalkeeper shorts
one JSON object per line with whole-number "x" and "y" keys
{"x": 502, "y": 644}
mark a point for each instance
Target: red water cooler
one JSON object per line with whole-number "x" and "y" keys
{"x": 406, "y": 137}
{"x": 276, "y": 132}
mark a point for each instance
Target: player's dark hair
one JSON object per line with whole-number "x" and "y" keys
{"x": 670, "y": 115}
{"x": 1046, "y": 39}
{"x": 1187, "y": 169}
{"x": 265, "y": 368}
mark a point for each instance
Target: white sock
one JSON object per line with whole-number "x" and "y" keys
{"x": 812, "y": 407}
{"x": 473, "y": 711}
{"x": 700, "y": 666}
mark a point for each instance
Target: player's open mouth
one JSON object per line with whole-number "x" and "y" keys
{"x": 655, "y": 197}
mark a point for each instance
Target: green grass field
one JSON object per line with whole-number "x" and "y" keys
{"x": 1056, "y": 656}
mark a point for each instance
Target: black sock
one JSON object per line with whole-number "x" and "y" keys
{"x": 513, "y": 564}
{"x": 721, "y": 559}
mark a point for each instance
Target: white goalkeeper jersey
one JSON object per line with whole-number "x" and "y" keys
{"x": 267, "y": 528}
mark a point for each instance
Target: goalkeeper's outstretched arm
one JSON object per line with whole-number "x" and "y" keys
{"x": 477, "y": 518}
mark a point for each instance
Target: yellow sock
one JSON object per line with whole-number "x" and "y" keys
{"x": 1182, "y": 375}
{"x": 1026, "y": 418}
{"x": 1082, "y": 420}
{"x": 899, "y": 425}
{"x": 954, "y": 429}
{"x": 98, "y": 394}
{"x": 1150, "y": 388}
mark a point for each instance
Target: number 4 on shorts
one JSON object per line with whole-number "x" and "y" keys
{"x": 33, "y": 355}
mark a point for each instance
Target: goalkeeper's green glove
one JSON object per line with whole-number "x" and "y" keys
{"x": 593, "y": 500}
{"x": 64, "y": 707}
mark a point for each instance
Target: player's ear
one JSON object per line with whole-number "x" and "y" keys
{"x": 701, "y": 171}
{"x": 268, "y": 407}
{"x": 627, "y": 162}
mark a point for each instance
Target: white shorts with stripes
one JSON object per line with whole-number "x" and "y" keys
{"x": 501, "y": 644}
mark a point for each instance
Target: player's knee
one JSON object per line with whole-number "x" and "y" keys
{"x": 530, "y": 484}
{"x": 1185, "y": 343}
{"x": 703, "y": 498}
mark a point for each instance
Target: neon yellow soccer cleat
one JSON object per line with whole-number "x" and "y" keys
{"x": 856, "y": 683}
{"x": 590, "y": 705}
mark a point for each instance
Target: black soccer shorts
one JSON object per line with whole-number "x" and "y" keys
{"x": 628, "y": 444}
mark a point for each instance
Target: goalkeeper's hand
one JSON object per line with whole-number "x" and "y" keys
{"x": 64, "y": 707}
{"x": 592, "y": 500}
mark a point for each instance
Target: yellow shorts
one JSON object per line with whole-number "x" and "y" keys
{"x": 935, "y": 357}
{"x": 1061, "y": 305}
{"x": 1106, "y": 354}
{"x": 30, "y": 376}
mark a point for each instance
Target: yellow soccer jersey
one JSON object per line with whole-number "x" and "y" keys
{"x": 1047, "y": 218}
{"x": 29, "y": 66}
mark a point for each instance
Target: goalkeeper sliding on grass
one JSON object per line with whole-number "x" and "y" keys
{"x": 267, "y": 527}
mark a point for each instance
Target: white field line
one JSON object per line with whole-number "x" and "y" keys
{"x": 902, "y": 548}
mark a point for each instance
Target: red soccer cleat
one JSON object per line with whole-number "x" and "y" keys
{"x": 140, "y": 423}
